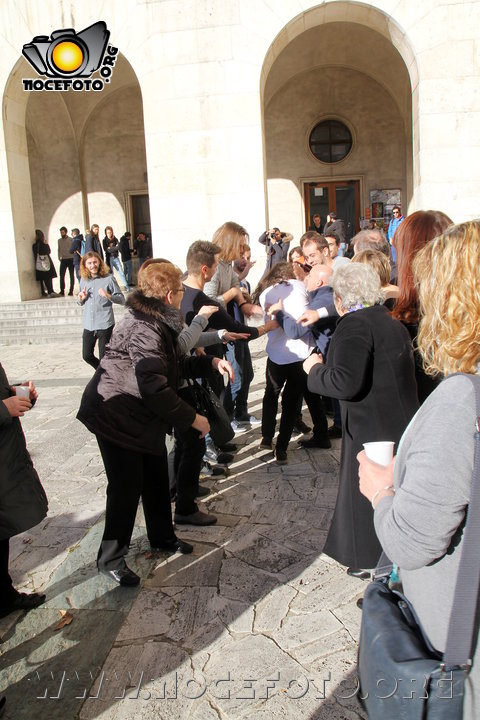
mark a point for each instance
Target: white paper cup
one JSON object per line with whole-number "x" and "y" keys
{"x": 379, "y": 452}
{"x": 22, "y": 391}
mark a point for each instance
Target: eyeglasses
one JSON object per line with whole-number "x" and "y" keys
{"x": 396, "y": 212}
{"x": 182, "y": 290}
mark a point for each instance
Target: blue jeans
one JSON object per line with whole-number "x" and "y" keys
{"x": 236, "y": 392}
{"x": 115, "y": 263}
{"x": 127, "y": 269}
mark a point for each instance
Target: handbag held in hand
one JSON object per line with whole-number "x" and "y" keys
{"x": 209, "y": 405}
{"x": 402, "y": 677}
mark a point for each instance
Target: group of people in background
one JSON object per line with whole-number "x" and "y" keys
{"x": 370, "y": 338}
{"x": 116, "y": 253}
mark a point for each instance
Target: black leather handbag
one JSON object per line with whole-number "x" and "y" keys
{"x": 402, "y": 677}
{"x": 208, "y": 404}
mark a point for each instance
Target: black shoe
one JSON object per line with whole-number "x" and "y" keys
{"x": 3, "y": 702}
{"x": 300, "y": 426}
{"x": 281, "y": 456}
{"x": 266, "y": 444}
{"x": 174, "y": 546}
{"x": 316, "y": 442}
{"x": 229, "y": 447}
{"x": 71, "y": 293}
{"x": 61, "y": 293}
{"x": 196, "y": 518}
{"x": 334, "y": 432}
{"x": 360, "y": 603}
{"x": 125, "y": 576}
{"x": 358, "y": 573}
{"x": 203, "y": 491}
{"x": 22, "y": 601}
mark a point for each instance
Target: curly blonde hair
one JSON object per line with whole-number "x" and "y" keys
{"x": 446, "y": 276}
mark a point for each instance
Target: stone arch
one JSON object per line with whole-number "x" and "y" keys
{"x": 55, "y": 168}
{"x": 358, "y": 59}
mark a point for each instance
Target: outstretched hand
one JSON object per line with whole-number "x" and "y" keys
{"x": 308, "y": 318}
{"x": 208, "y": 310}
{"x": 223, "y": 366}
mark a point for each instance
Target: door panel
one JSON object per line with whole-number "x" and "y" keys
{"x": 342, "y": 197}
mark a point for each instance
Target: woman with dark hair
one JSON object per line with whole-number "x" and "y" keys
{"x": 412, "y": 235}
{"x": 44, "y": 267}
{"x": 370, "y": 369}
{"x": 112, "y": 250}
{"x": 130, "y": 404}
{"x": 98, "y": 290}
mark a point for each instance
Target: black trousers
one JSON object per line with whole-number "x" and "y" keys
{"x": 189, "y": 450}
{"x": 133, "y": 475}
{"x": 64, "y": 266}
{"x": 90, "y": 338}
{"x": 292, "y": 378}
{"x": 7, "y": 591}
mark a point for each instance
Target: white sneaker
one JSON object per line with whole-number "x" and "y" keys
{"x": 238, "y": 427}
{"x": 248, "y": 420}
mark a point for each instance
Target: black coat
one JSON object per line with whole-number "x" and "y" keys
{"x": 23, "y": 502}
{"x": 131, "y": 400}
{"x": 93, "y": 244}
{"x": 41, "y": 248}
{"x": 76, "y": 249}
{"x": 370, "y": 369}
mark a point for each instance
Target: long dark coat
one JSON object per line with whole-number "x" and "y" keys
{"x": 23, "y": 502}
{"x": 371, "y": 371}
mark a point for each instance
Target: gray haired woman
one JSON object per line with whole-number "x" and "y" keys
{"x": 370, "y": 370}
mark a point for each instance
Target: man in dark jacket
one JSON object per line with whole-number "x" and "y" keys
{"x": 23, "y": 502}
{"x": 92, "y": 241}
{"x": 126, "y": 255}
{"x": 77, "y": 248}
{"x": 276, "y": 245}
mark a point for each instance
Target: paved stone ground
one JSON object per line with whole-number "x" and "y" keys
{"x": 256, "y": 623}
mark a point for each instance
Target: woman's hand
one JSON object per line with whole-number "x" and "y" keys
{"x": 17, "y": 406}
{"x": 271, "y": 325}
{"x": 223, "y": 366}
{"x": 208, "y": 310}
{"x": 232, "y": 336}
{"x": 308, "y": 318}
{"x": 374, "y": 478}
{"x": 275, "y": 307}
{"x": 201, "y": 424}
{"x": 104, "y": 293}
{"x": 249, "y": 309}
{"x": 313, "y": 359}
{"x": 31, "y": 387}
{"x": 82, "y": 295}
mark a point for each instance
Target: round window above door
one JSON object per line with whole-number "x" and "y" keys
{"x": 330, "y": 141}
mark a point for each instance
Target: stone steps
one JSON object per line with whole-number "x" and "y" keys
{"x": 49, "y": 320}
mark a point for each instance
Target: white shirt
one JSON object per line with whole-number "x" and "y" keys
{"x": 280, "y": 348}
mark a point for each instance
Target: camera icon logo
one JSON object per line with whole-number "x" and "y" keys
{"x": 67, "y": 54}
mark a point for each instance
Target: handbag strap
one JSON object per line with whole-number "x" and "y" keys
{"x": 458, "y": 648}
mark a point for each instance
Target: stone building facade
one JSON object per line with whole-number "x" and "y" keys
{"x": 209, "y": 112}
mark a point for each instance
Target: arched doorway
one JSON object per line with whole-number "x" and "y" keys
{"x": 74, "y": 158}
{"x": 343, "y": 64}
